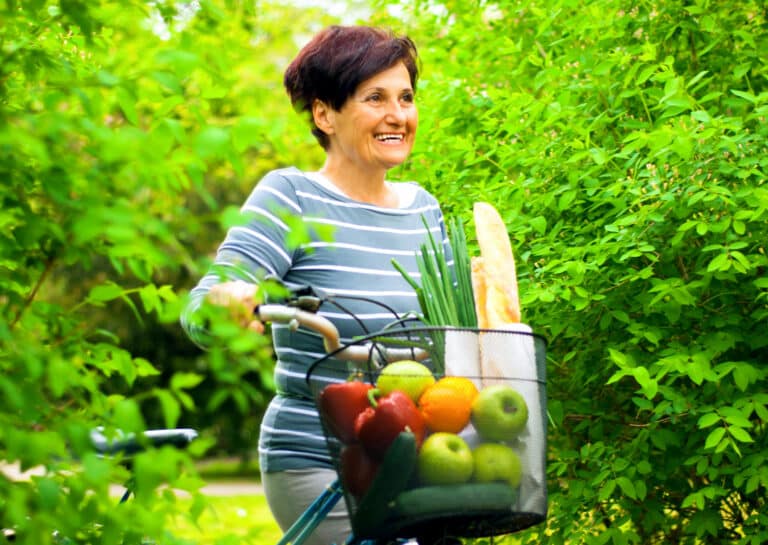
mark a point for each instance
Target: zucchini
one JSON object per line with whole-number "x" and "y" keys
{"x": 455, "y": 499}
{"x": 392, "y": 478}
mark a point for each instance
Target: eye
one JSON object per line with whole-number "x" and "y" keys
{"x": 374, "y": 97}
{"x": 408, "y": 97}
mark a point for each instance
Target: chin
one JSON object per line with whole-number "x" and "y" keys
{"x": 395, "y": 160}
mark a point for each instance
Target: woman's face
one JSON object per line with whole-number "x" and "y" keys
{"x": 376, "y": 127}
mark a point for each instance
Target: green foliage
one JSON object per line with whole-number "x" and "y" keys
{"x": 122, "y": 128}
{"x": 623, "y": 142}
{"x": 626, "y": 145}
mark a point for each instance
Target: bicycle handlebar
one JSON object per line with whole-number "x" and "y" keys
{"x": 296, "y": 317}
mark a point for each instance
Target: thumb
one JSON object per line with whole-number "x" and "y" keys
{"x": 257, "y": 326}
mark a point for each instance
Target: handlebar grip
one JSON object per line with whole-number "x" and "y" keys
{"x": 294, "y": 317}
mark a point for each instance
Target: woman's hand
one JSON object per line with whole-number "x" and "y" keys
{"x": 240, "y": 298}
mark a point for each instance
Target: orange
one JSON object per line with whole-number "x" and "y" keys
{"x": 447, "y": 404}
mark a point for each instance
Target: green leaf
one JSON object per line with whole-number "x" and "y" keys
{"x": 745, "y": 95}
{"x": 721, "y": 262}
{"x": 127, "y": 104}
{"x": 128, "y": 417}
{"x": 144, "y": 368}
{"x": 184, "y": 381}
{"x": 212, "y": 142}
{"x": 744, "y": 375}
{"x": 714, "y": 438}
{"x": 627, "y": 487}
{"x": 696, "y": 370}
{"x": 708, "y": 419}
{"x": 644, "y": 467}
{"x": 641, "y": 489}
{"x": 49, "y": 492}
{"x": 169, "y": 81}
{"x": 599, "y": 156}
{"x": 149, "y": 298}
{"x": 105, "y": 292}
{"x": 170, "y": 407}
{"x": 606, "y": 490}
{"x": 695, "y": 499}
{"x": 740, "y": 434}
{"x": 539, "y": 224}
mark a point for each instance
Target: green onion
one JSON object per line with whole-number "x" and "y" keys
{"x": 465, "y": 298}
{"x": 443, "y": 301}
{"x": 445, "y": 296}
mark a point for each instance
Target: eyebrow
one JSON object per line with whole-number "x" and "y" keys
{"x": 384, "y": 89}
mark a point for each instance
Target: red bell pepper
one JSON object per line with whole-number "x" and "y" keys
{"x": 340, "y": 404}
{"x": 357, "y": 470}
{"x": 378, "y": 425}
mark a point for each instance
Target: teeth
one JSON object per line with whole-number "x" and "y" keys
{"x": 384, "y": 137}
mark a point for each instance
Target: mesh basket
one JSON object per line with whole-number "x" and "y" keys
{"x": 405, "y": 506}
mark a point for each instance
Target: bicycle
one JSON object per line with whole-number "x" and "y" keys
{"x": 397, "y": 516}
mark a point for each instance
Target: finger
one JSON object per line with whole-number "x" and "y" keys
{"x": 257, "y": 326}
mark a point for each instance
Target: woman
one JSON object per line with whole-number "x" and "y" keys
{"x": 357, "y": 84}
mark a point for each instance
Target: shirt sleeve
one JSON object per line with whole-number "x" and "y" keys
{"x": 255, "y": 249}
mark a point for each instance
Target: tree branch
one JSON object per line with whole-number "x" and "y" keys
{"x": 32, "y": 294}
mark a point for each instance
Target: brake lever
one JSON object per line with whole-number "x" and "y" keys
{"x": 310, "y": 303}
{"x": 300, "y": 297}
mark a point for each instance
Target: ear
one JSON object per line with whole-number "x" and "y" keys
{"x": 322, "y": 114}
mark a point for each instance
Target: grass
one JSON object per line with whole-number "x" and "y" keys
{"x": 229, "y": 468}
{"x": 230, "y": 520}
{"x": 247, "y": 519}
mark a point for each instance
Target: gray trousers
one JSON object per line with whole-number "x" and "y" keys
{"x": 290, "y": 492}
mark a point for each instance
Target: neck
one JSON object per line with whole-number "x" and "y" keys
{"x": 367, "y": 187}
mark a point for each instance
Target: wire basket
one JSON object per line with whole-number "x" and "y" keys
{"x": 399, "y": 503}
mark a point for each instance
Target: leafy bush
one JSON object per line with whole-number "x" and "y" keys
{"x": 626, "y": 147}
{"x": 624, "y": 143}
{"x": 122, "y": 129}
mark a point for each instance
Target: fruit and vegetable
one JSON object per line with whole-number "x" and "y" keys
{"x": 436, "y": 413}
{"x": 497, "y": 462}
{"x": 378, "y": 425}
{"x": 407, "y": 376}
{"x": 419, "y": 441}
{"x": 499, "y": 412}
{"x": 445, "y": 458}
{"x": 341, "y": 403}
{"x": 358, "y": 469}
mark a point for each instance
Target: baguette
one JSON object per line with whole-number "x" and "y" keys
{"x": 479, "y": 289}
{"x": 498, "y": 294}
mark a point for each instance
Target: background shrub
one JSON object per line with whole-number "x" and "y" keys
{"x": 623, "y": 142}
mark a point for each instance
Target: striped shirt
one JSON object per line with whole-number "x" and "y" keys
{"x": 354, "y": 260}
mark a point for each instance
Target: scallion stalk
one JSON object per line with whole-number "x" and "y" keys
{"x": 445, "y": 293}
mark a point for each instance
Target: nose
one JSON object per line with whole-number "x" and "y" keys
{"x": 396, "y": 112}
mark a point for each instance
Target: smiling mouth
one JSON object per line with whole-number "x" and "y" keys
{"x": 390, "y": 137}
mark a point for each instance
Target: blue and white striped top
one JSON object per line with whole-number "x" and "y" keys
{"x": 356, "y": 260}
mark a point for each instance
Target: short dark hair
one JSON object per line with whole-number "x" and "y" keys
{"x": 336, "y": 60}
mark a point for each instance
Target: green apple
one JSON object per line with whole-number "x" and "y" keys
{"x": 445, "y": 458}
{"x": 410, "y": 377}
{"x": 499, "y": 412}
{"x": 496, "y": 462}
